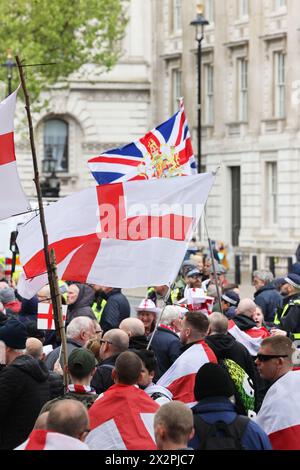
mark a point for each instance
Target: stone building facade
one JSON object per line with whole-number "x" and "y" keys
{"x": 250, "y": 114}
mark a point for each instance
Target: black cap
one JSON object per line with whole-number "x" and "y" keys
{"x": 212, "y": 381}
{"x": 14, "y": 334}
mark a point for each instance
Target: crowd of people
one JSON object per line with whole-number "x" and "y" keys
{"x": 178, "y": 374}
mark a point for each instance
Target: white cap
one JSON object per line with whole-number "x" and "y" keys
{"x": 147, "y": 305}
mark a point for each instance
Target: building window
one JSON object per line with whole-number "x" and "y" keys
{"x": 176, "y": 89}
{"x": 209, "y": 11}
{"x": 243, "y": 8}
{"x": 177, "y": 15}
{"x": 279, "y": 4}
{"x": 56, "y": 143}
{"x": 242, "y": 69}
{"x": 279, "y": 85}
{"x": 209, "y": 94}
{"x": 272, "y": 192}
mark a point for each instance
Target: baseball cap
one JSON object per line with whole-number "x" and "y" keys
{"x": 81, "y": 362}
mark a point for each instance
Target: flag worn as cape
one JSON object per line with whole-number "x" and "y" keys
{"x": 122, "y": 419}
{"x": 163, "y": 152}
{"x": 12, "y": 198}
{"x": 123, "y": 235}
{"x": 180, "y": 377}
{"x": 279, "y": 415}
{"x": 41, "y": 439}
{"x": 251, "y": 341}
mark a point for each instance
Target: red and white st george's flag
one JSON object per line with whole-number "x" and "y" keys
{"x": 45, "y": 317}
{"x": 127, "y": 234}
{"x": 251, "y": 338}
{"x": 122, "y": 419}
{"x": 41, "y": 439}
{"x": 279, "y": 415}
{"x": 12, "y": 198}
{"x": 180, "y": 377}
{"x": 198, "y": 301}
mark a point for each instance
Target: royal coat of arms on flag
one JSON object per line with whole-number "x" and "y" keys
{"x": 163, "y": 152}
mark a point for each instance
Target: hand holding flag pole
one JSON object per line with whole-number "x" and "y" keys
{"x": 49, "y": 257}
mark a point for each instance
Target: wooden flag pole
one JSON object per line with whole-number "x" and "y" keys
{"x": 51, "y": 268}
{"x": 166, "y": 298}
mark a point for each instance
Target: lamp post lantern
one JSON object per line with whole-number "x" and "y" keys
{"x": 50, "y": 187}
{"x": 9, "y": 64}
{"x": 199, "y": 24}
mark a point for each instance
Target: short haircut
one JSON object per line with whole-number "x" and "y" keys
{"x": 246, "y": 307}
{"x": 119, "y": 340}
{"x": 134, "y": 326}
{"x": 149, "y": 359}
{"x": 280, "y": 345}
{"x": 177, "y": 419}
{"x": 170, "y": 313}
{"x": 34, "y": 348}
{"x": 77, "y": 325}
{"x": 264, "y": 275}
{"x": 128, "y": 367}
{"x": 68, "y": 417}
{"x": 218, "y": 323}
{"x": 197, "y": 321}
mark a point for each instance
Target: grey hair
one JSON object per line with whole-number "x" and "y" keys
{"x": 218, "y": 323}
{"x": 171, "y": 313}
{"x": 77, "y": 325}
{"x": 264, "y": 275}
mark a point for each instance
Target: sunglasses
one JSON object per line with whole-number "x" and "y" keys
{"x": 267, "y": 357}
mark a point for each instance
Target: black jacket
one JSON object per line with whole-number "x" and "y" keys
{"x": 117, "y": 308}
{"x": 290, "y": 322}
{"x": 82, "y": 306}
{"x": 54, "y": 355}
{"x": 138, "y": 342}
{"x": 244, "y": 322}
{"x": 268, "y": 299}
{"x": 24, "y": 388}
{"x": 102, "y": 379}
{"x": 167, "y": 348}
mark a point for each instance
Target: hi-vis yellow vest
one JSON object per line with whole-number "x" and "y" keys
{"x": 98, "y": 313}
{"x": 278, "y": 318}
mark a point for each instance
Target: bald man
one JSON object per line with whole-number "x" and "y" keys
{"x": 34, "y": 348}
{"x": 113, "y": 343}
{"x": 135, "y": 329}
{"x": 244, "y": 314}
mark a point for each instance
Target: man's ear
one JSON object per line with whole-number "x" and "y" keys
{"x": 114, "y": 375}
{"x": 192, "y": 434}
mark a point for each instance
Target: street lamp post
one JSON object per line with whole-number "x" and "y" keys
{"x": 50, "y": 187}
{"x": 199, "y": 24}
{"x": 9, "y": 64}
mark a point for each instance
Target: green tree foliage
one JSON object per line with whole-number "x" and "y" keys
{"x": 69, "y": 33}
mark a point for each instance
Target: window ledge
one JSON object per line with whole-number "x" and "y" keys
{"x": 236, "y": 128}
{"x": 273, "y": 125}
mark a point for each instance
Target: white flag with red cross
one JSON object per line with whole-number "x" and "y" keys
{"x": 130, "y": 234}
{"x": 197, "y": 301}
{"x": 12, "y": 197}
{"x": 45, "y": 317}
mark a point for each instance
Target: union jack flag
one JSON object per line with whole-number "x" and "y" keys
{"x": 163, "y": 152}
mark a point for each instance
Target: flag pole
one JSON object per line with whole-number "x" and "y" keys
{"x": 51, "y": 268}
{"x": 213, "y": 263}
{"x": 160, "y": 315}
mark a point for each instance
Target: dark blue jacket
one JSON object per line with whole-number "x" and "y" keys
{"x": 166, "y": 346}
{"x": 221, "y": 409}
{"x": 117, "y": 308}
{"x": 268, "y": 299}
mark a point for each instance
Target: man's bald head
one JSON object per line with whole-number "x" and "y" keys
{"x": 132, "y": 326}
{"x": 34, "y": 348}
{"x": 218, "y": 323}
{"x": 119, "y": 340}
{"x": 246, "y": 307}
{"x": 41, "y": 422}
{"x": 68, "y": 417}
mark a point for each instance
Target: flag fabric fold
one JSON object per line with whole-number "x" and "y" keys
{"x": 279, "y": 415}
{"x": 123, "y": 235}
{"x": 179, "y": 379}
{"x": 251, "y": 341}
{"x": 41, "y": 439}
{"x": 165, "y": 151}
{"x": 122, "y": 419}
{"x": 12, "y": 198}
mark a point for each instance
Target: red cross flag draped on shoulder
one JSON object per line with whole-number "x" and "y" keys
{"x": 12, "y": 197}
{"x": 123, "y": 235}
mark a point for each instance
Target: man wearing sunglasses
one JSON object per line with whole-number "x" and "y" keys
{"x": 279, "y": 415}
